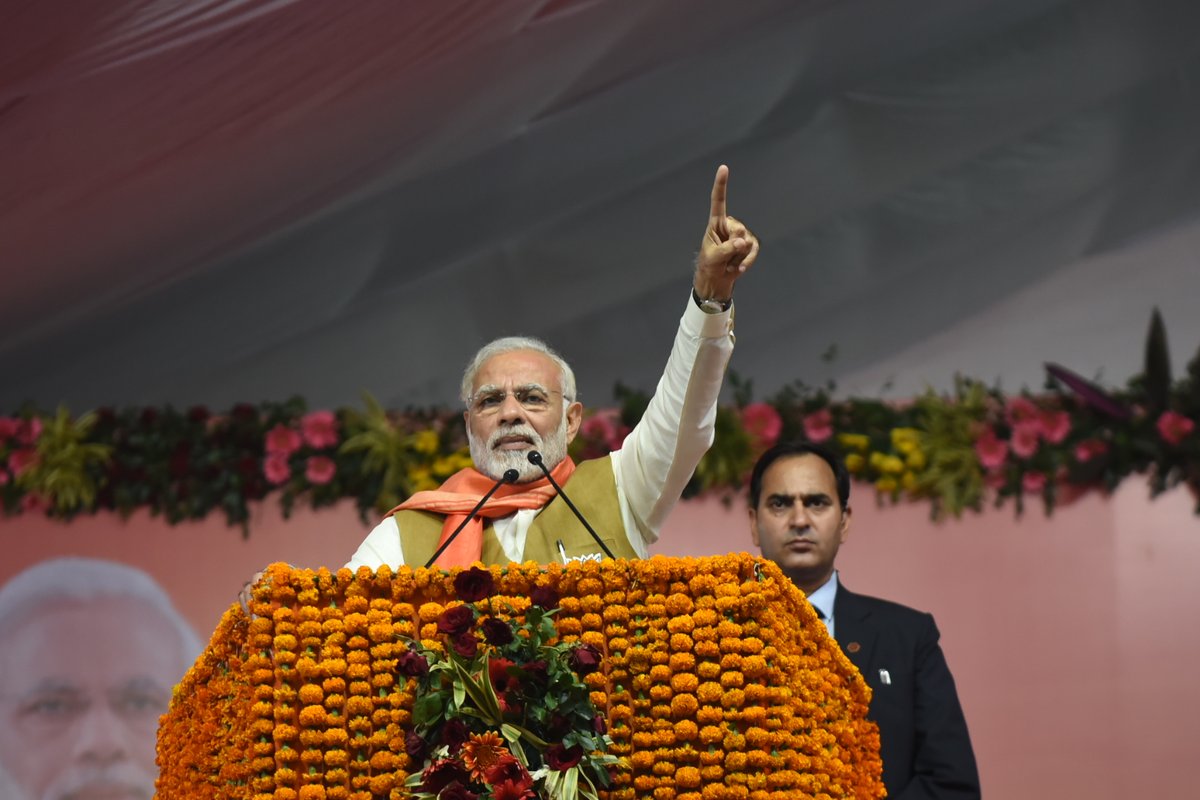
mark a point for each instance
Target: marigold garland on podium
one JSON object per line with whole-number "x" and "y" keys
{"x": 715, "y": 681}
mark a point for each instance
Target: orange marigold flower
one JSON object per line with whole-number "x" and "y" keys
{"x": 683, "y": 706}
{"x": 684, "y": 682}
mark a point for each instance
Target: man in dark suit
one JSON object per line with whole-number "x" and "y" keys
{"x": 799, "y": 517}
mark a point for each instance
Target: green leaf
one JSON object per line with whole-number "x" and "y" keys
{"x": 1158, "y": 366}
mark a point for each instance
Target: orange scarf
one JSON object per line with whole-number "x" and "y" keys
{"x": 458, "y": 495}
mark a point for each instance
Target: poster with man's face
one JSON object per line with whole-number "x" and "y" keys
{"x": 91, "y": 651}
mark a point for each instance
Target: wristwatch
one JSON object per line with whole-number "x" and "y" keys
{"x": 711, "y": 305}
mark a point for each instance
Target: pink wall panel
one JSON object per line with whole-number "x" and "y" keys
{"x": 1072, "y": 638}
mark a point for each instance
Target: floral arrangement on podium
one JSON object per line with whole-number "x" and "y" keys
{"x": 500, "y": 707}
{"x": 714, "y": 680}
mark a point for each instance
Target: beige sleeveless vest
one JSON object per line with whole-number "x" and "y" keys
{"x": 591, "y": 487}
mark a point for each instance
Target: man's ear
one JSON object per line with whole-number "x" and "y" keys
{"x": 753, "y": 515}
{"x": 574, "y": 420}
{"x": 845, "y": 526}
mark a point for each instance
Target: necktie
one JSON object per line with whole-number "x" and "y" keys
{"x": 820, "y": 613}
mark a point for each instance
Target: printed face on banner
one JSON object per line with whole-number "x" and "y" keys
{"x": 82, "y": 686}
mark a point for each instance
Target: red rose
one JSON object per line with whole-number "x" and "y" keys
{"x": 455, "y": 735}
{"x": 442, "y": 773}
{"x": 413, "y": 664}
{"x": 414, "y": 745}
{"x": 585, "y": 659}
{"x": 465, "y": 644}
{"x": 456, "y": 621}
{"x": 544, "y": 596}
{"x": 563, "y": 758}
{"x": 456, "y": 791}
{"x": 474, "y": 584}
{"x": 496, "y": 631}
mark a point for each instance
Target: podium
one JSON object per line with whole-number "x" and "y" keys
{"x": 717, "y": 680}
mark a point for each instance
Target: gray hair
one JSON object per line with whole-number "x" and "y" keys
{"x": 80, "y": 580}
{"x": 509, "y": 344}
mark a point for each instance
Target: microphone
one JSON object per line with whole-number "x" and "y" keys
{"x": 535, "y": 458}
{"x": 509, "y": 476}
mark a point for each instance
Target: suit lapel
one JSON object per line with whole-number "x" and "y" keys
{"x": 855, "y": 633}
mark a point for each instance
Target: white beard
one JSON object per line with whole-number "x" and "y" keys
{"x": 78, "y": 783}
{"x": 494, "y": 463}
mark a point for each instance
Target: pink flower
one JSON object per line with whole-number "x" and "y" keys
{"x": 4, "y": 479}
{"x": 282, "y": 440}
{"x": 28, "y": 430}
{"x": 995, "y": 479}
{"x": 276, "y": 468}
{"x": 818, "y": 426}
{"x": 320, "y": 429}
{"x": 991, "y": 450}
{"x": 8, "y": 427}
{"x": 1174, "y": 427}
{"x": 1020, "y": 409}
{"x": 1033, "y": 482}
{"x": 763, "y": 423}
{"x": 1055, "y": 426}
{"x": 320, "y": 470}
{"x": 1025, "y": 437}
{"x": 605, "y": 428}
{"x": 21, "y": 460}
{"x": 1086, "y": 450}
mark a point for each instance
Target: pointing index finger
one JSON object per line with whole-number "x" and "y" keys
{"x": 720, "y": 182}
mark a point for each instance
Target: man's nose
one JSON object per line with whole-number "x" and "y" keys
{"x": 511, "y": 410}
{"x": 800, "y": 519}
{"x": 100, "y": 736}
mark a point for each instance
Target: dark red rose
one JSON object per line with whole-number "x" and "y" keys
{"x": 559, "y": 725}
{"x": 413, "y": 664}
{"x": 456, "y": 621}
{"x": 536, "y": 673}
{"x": 456, "y": 791}
{"x": 508, "y": 768}
{"x": 561, "y": 758}
{"x": 465, "y": 644}
{"x": 198, "y": 414}
{"x": 414, "y": 745}
{"x": 497, "y": 631}
{"x": 244, "y": 412}
{"x": 544, "y": 596}
{"x": 474, "y": 584}
{"x": 442, "y": 773}
{"x": 600, "y": 724}
{"x": 454, "y": 735}
{"x": 585, "y": 659}
{"x": 180, "y": 461}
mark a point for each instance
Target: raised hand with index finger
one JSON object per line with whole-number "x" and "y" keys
{"x": 727, "y": 250}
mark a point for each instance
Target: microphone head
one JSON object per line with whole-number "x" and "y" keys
{"x": 510, "y": 476}
{"x": 535, "y": 457}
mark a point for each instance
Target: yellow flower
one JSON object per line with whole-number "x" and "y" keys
{"x": 854, "y": 441}
{"x": 886, "y": 485}
{"x": 916, "y": 460}
{"x": 905, "y": 440}
{"x": 425, "y": 441}
{"x": 855, "y": 463}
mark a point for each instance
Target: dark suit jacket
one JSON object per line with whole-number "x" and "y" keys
{"x": 925, "y": 747}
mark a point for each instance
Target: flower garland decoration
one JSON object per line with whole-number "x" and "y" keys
{"x": 957, "y": 451}
{"x": 713, "y": 677}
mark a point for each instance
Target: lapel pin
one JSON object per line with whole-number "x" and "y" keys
{"x": 885, "y": 677}
{"x": 853, "y": 647}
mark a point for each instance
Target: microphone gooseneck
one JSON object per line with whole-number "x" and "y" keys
{"x": 535, "y": 458}
{"x": 509, "y": 476}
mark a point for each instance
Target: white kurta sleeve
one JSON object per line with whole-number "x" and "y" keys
{"x": 382, "y": 546}
{"x": 660, "y": 454}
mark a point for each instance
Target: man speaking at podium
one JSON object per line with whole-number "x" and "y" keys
{"x": 520, "y": 399}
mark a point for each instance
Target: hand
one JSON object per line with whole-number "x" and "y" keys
{"x": 244, "y": 595}
{"x": 727, "y": 250}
